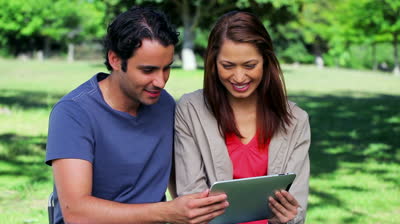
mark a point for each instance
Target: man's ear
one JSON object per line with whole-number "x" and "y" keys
{"x": 114, "y": 60}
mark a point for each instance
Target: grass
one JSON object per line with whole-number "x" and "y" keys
{"x": 355, "y": 151}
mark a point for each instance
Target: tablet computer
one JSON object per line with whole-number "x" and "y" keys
{"x": 248, "y": 197}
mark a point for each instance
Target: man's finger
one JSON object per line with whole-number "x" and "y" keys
{"x": 206, "y": 201}
{"x": 212, "y": 208}
{"x": 202, "y": 194}
{"x": 201, "y": 213}
{"x": 208, "y": 217}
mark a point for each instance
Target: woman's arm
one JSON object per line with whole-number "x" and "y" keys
{"x": 300, "y": 163}
{"x": 290, "y": 207}
{"x": 189, "y": 167}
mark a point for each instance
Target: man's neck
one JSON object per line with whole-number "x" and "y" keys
{"x": 116, "y": 98}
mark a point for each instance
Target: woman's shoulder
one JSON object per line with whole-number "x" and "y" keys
{"x": 194, "y": 98}
{"x": 297, "y": 112}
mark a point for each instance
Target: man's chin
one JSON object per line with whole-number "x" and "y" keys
{"x": 149, "y": 102}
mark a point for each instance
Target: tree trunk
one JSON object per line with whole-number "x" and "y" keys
{"x": 319, "y": 61}
{"x": 396, "y": 70}
{"x": 71, "y": 48}
{"x": 47, "y": 47}
{"x": 188, "y": 56}
{"x": 374, "y": 61}
{"x": 39, "y": 55}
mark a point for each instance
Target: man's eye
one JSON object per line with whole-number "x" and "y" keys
{"x": 147, "y": 70}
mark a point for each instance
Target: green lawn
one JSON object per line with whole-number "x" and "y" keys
{"x": 355, "y": 151}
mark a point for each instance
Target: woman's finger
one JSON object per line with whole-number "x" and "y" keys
{"x": 289, "y": 197}
{"x": 287, "y": 201}
{"x": 278, "y": 214}
{"x": 278, "y": 206}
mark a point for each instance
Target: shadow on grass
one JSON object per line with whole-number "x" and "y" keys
{"x": 23, "y": 156}
{"x": 344, "y": 128}
{"x": 354, "y": 130}
{"x": 27, "y": 99}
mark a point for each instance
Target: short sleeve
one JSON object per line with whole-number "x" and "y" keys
{"x": 70, "y": 135}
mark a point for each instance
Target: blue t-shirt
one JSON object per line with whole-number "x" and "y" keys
{"x": 131, "y": 155}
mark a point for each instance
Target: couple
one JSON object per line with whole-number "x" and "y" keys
{"x": 112, "y": 140}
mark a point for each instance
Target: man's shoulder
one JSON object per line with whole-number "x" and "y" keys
{"x": 165, "y": 102}
{"x": 81, "y": 91}
{"x": 166, "y": 97}
{"x": 72, "y": 102}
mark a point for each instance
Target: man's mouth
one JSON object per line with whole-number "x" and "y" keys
{"x": 153, "y": 93}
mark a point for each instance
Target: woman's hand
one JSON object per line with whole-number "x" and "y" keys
{"x": 284, "y": 207}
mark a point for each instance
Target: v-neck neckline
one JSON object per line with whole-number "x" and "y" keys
{"x": 251, "y": 142}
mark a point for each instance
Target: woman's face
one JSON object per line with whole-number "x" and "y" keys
{"x": 240, "y": 69}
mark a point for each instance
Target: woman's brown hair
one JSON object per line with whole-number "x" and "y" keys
{"x": 272, "y": 107}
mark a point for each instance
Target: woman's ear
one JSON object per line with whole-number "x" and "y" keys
{"x": 114, "y": 60}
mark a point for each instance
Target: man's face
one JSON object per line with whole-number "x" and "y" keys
{"x": 147, "y": 72}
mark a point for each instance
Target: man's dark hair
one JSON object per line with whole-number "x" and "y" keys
{"x": 126, "y": 32}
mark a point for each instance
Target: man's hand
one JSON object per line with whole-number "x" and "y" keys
{"x": 198, "y": 208}
{"x": 284, "y": 208}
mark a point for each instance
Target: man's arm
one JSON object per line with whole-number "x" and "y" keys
{"x": 73, "y": 178}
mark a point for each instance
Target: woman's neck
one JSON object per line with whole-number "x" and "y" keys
{"x": 247, "y": 105}
{"x": 245, "y": 113}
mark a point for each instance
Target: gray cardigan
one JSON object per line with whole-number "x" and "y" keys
{"x": 201, "y": 156}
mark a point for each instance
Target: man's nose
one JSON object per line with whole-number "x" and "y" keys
{"x": 159, "y": 80}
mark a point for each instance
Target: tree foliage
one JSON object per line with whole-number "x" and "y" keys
{"x": 26, "y": 25}
{"x": 300, "y": 29}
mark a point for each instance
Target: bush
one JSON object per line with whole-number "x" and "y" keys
{"x": 361, "y": 56}
{"x": 295, "y": 52}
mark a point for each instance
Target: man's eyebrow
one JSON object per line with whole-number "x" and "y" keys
{"x": 169, "y": 65}
{"x": 147, "y": 67}
{"x": 153, "y": 66}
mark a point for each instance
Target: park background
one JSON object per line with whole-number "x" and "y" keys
{"x": 340, "y": 62}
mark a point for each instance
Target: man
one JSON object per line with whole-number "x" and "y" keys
{"x": 110, "y": 140}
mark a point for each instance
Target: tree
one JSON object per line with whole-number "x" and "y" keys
{"x": 374, "y": 21}
{"x": 197, "y": 15}
{"x": 319, "y": 28}
{"x": 19, "y": 27}
{"x": 386, "y": 17}
{"x": 29, "y": 25}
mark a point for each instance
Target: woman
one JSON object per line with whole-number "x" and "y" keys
{"x": 241, "y": 124}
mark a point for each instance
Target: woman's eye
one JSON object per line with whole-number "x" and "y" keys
{"x": 250, "y": 66}
{"x": 227, "y": 66}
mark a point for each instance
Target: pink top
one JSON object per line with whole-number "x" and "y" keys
{"x": 247, "y": 160}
